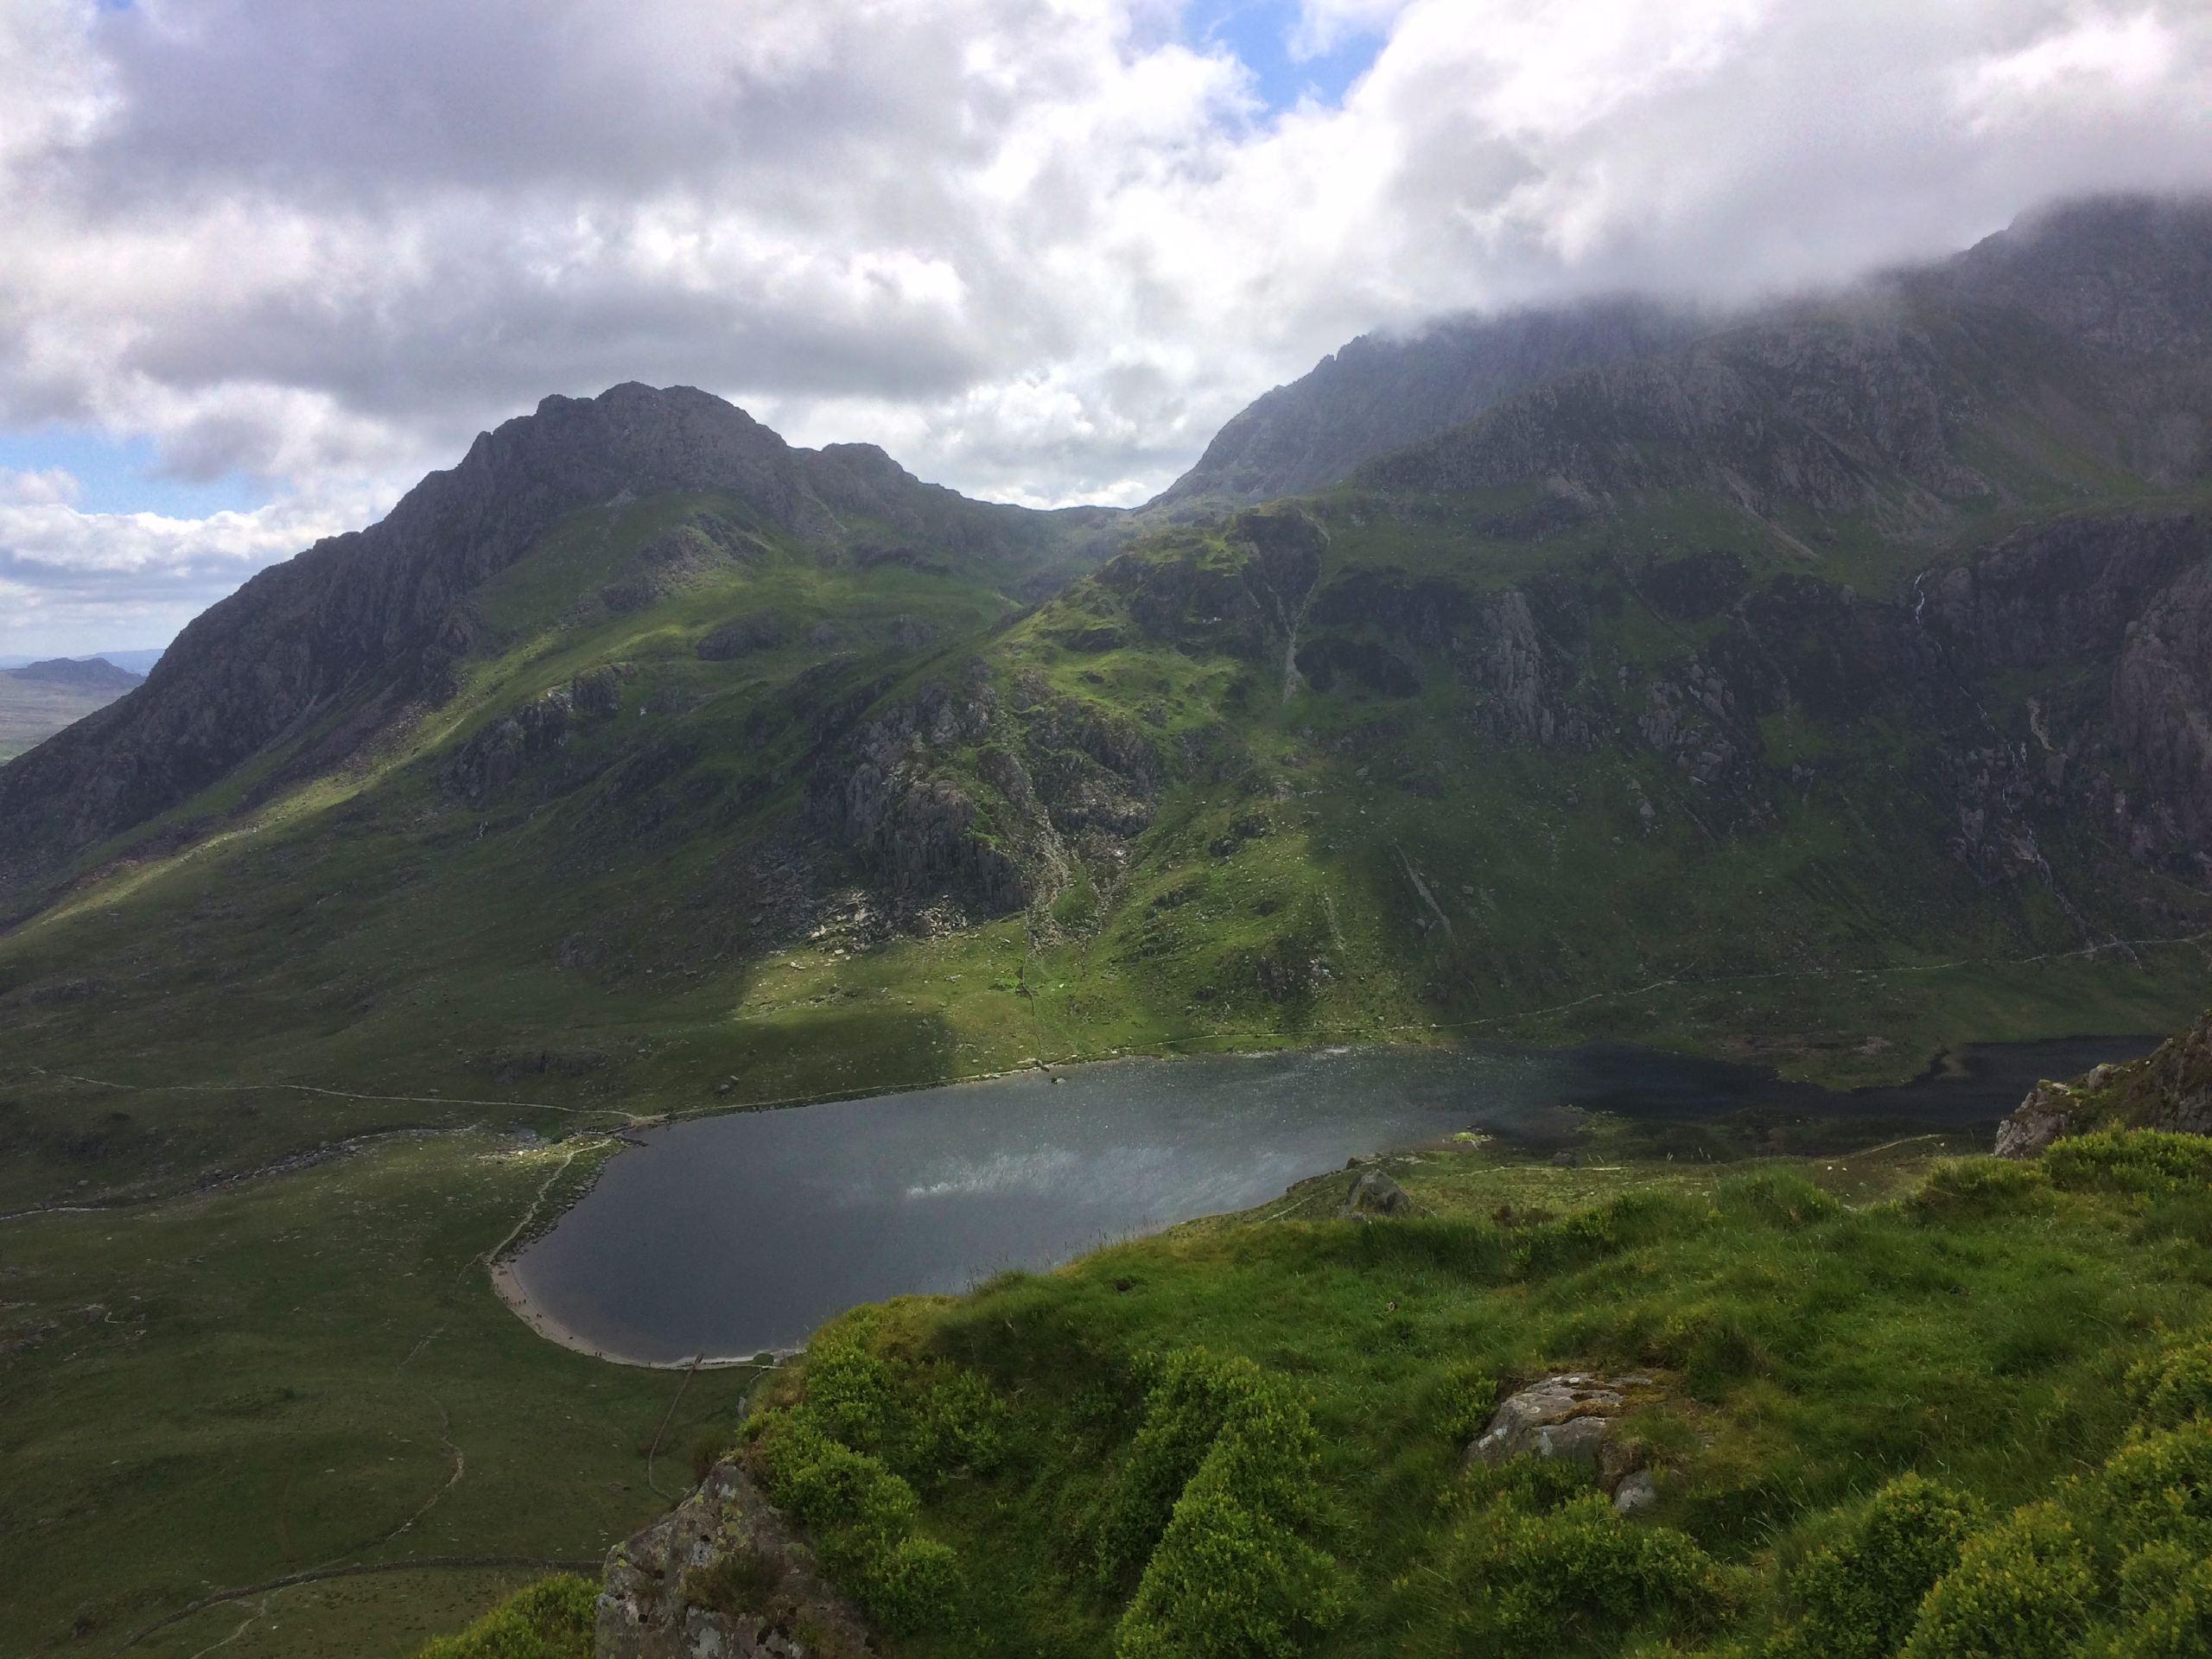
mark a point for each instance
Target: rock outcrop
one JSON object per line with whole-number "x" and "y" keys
{"x": 2170, "y": 1089}
{"x": 1575, "y": 1416}
{"x": 723, "y": 1575}
{"x": 1374, "y": 1196}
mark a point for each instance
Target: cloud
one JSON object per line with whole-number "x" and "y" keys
{"x": 38, "y": 487}
{"x": 1038, "y": 251}
{"x": 73, "y": 581}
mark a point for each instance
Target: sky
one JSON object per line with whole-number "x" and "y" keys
{"x": 266, "y": 264}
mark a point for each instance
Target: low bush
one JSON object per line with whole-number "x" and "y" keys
{"x": 2023, "y": 1590}
{"x": 2173, "y": 1386}
{"x": 551, "y": 1619}
{"x": 1530, "y": 1585}
{"x": 2143, "y": 1162}
{"x": 2166, "y": 1606}
{"x": 1860, "y": 1597}
{"x": 862, "y": 1517}
{"x": 1462, "y": 1401}
{"x": 1228, "y": 1567}
{"x": 1965, "y": 1188}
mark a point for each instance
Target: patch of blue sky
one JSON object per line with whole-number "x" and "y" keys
{"x": 123, "y": 474}
{"x": 1263, "y": 33}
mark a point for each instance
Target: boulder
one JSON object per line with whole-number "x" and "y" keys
{"x": 1374, "y": 1196}
{"x": 725, "y": 1545}
{"x": 1574, "y": 1415}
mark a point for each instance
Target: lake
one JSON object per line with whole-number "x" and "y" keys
{"x": 725, "y": 1235}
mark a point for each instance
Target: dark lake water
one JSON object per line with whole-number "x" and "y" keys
{"x": 725, "y": 1235}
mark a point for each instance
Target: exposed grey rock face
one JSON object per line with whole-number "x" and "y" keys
{"x": 1575, "y": 1416}
{"x": 2047, "y": 1114}
{"x": 1058, "y": 778}
{"x": 2162, "y": 697}
{"x": 1382, "y": 392}
{"x": 665, "y": 1599}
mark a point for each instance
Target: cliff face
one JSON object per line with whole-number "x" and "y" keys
{"x": 376, "y": 620}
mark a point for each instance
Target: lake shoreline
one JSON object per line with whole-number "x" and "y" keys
{"x": 507, "y": 1285}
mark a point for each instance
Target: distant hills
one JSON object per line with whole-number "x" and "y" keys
{"x": 1821, "y": 685}
{"x": 136, "y": 662}
{"x": 82, "y": 674}
{"x": 38, "y": 699}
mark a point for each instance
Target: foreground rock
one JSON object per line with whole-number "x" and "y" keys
{"x": 722, "y": 1576}
{"x": 1575, "y": 1416}
{"x": 2170, "y": 1089}
{"x": 1374, "y": 1197}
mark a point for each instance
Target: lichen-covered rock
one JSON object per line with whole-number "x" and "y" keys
{"x": 723, "y": 1575}
{"x": 1575, "y": 1416}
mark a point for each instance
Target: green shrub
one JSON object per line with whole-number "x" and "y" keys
{"x": 926, "y": 1418}
{"x": 2166, "y": 1606}
{"x": 2173, "y": 1386}
{"x": 1529, "y": 1583}
{"x": 1861, "y": 1597}
{"x": 2153, "y": 1491}
{"x": 862, "y": 1517}
{"x": 2142, "y": 1162}
{"x": 1184, "y": 1409}
{"x": 551, "y": 1619}
{"x": 1462, "y": 1403}
{"x": 1230, "y": 1578}
{"x": 2023, "y": 1590}
{"x": 1228, "y": 1570}
{"x": 1963, "y": 1188}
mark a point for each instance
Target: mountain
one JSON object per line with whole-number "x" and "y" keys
{"x": 80, "y": 673}
{"x": 1824, "y": 690}
{"x": 1381, "y": 392}
{"x": 328, "y": 649}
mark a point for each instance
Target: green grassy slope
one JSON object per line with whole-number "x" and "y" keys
{"x": 1248, "y": 1438}
{"x": 303, "y": 1373}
